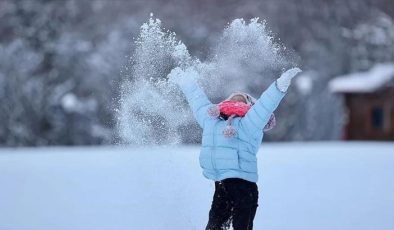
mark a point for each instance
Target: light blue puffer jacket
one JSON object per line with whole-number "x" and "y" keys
{"x": 235, "y": 157}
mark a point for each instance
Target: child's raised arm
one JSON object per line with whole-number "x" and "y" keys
{"x": 195, "y": 96}
{"x": 257, "y": 117}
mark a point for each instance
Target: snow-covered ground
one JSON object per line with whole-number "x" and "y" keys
{"x": 303, "y": 186}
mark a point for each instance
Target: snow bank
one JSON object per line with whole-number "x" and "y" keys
{"x": 363, "y": 82}
{"x": 323, "y": 186}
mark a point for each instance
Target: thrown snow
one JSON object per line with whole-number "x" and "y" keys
{"x": 303, "y": 186}
{"x": 153, "y": 111}
{"x": 363, "y": 82}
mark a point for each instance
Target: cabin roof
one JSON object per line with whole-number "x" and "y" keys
{"x": 363, "y": 82}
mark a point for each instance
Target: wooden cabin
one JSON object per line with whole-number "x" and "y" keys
{"x": 369, "y": 101}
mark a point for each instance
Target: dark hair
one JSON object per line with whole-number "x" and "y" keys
{"x": 223, "y": 116}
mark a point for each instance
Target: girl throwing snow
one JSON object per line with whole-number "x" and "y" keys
{"x": 232, "y": 134}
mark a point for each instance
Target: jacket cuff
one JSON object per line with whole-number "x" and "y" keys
{"x": 275, "y": 91}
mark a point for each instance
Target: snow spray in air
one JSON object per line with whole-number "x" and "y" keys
{"x": 153, "y": 110}
{"x": 245, "y": 58}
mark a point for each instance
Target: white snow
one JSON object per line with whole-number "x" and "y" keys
{"x": 71, "y": 103}
{"x": 304, "y": 82}
{"x": 363, "y": 82}
{"x": 244, "y": 57}
{"x": 303, "y": 186}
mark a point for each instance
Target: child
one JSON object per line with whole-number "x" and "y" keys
{"x": 232, "y": 134}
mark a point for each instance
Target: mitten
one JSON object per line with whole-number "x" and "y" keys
{"x": 183, "y": 77}
{"x": 284, "y": 81}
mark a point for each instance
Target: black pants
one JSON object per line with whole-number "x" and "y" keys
{"x": 234, "y": 201}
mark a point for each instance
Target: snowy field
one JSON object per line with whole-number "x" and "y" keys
{"x": 315, "y": 186}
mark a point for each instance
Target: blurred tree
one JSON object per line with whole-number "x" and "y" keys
{"x": 60, "y": 60}
{"x": 71, "y": 101}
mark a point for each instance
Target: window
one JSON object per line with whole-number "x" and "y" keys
{"x": 377, "y": 118}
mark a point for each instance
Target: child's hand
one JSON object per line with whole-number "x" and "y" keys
{"x": 175, "y": 76}
{"x": 284, "y": 81}
{"x": 180, "y": 77}
{"x": 290, "y": 73}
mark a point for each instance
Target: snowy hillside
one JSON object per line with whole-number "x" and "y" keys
{"x": 302, "y": 186}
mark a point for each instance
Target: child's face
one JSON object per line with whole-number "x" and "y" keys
{"x": 238, "y": 98}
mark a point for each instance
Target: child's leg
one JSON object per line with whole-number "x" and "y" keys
{"x": 220, "y": 213}
{"x": 245, "y": 197}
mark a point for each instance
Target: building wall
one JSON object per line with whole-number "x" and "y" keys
{"x": 370, "y": 116}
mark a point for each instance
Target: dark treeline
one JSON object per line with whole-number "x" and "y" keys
{"x": 61, "y": 61}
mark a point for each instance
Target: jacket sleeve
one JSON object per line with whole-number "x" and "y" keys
{"x": 198, "y": 101}
{"x": 258, "y": 116}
